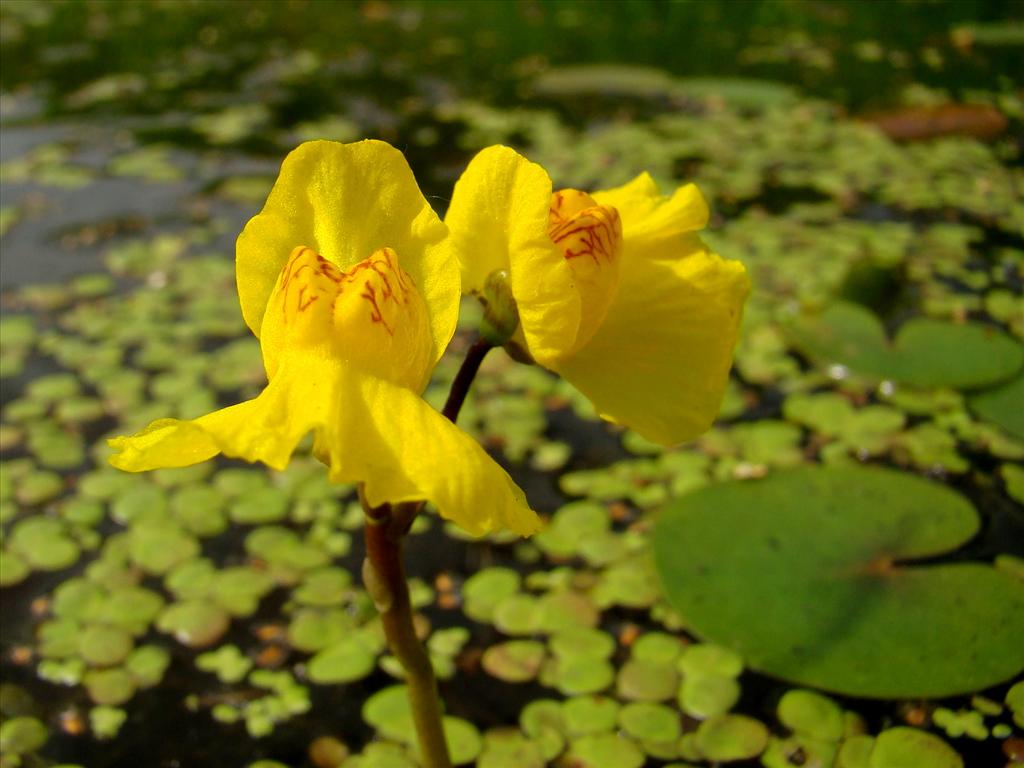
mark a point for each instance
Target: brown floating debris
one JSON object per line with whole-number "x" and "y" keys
{"x": 921, "y": 123}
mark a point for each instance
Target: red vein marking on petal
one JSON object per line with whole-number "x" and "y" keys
{"x": 595, "y": 230}
{"x": 370, "y": 294}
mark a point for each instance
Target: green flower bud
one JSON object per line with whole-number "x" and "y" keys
{"x": 501, "y": 315}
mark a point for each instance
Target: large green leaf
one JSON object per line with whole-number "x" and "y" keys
{"x": 806, "y": 573}
{"x": 1003, "y": 405}
{"x": 925, "y": 352}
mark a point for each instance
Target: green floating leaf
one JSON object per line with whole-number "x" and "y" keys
{"x": 605, "y": 750}
{"x": 109, "y": 687}
{"x": 807, "y": 713}
{"x": 311, "y": 630}
{"x": 653, "y": 722}
{"x": 67, "y": 672}
{"x": 156, "y": 546}
{"x": 282, "y": 549}
{"x": 899, "y": 747}
{"x": 200, "y": 509}
{"x": 582, "y": 642}
{"x": 585, "y": 715}
{"x": 1015, "y": 701}
{"x": 238, "y": 590}
{"x": 855, "y": 752}
{"x": 58, "y": 638}
{"x": 22, "y": 735}
{"x": 630, "y": 583}
{"x": 448, "y": 642}
{"x": 147, "y": 665}
{"x": 515, "y": 661}
{"x": 645, "y": 680}
{"x": 710, "y": 659}
{"x": 195, "y": 623}
{"x": 43, "y": 543}
{"x": 130, "y": 607}
{"x": 657, "y": 647}
{"x": 328, "y": 752}
{"x": 964, "y": 722}
{"x": 13, "y": 568}
{"x": 324, "y": 587}
{"x": 565, "y": 609}
{"x": 578, "y": 676}
{"x": 37, "y": 487}
{"x": 261, "y": 505}
{"x": 731, "y": 737}
{"x": 388, "y": 711}
{"x": 227, "y": 662}
{"x": 106, "y": 721}
{"x": 925, "y": 352}
{"x": 1002, "y": 406}
{"x": 508, "y": 748}
{"x": 819, "y": 592}
{"x": 779, "y": 752}
{"x": 866, "y": 430}
{"x": 707, "y": 695}
{"x": 15, "y": 701}
{"x": 542, "y": 715}
{"x": 517, "y": 614}
{"x": 103, "y": 646}
{"x": 347, "y": 660}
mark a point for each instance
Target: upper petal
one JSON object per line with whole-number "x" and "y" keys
{"x": 347, "y": 201}
{"x": 647, "y": 215}
{"x": 660, "y": 361}
{"x": 498, "y": 219}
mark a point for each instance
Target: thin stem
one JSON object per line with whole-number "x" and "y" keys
{"x": 464, "y": 378}
{"x": 384, "y": 576}
{"x": 386, "y": 583}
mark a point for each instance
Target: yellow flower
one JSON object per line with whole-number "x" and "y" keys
{"x": 348, "y": 279}
{"x": 615, "y": 290}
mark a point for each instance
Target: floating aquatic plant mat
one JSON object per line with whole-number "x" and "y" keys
{"x": 884, "y": 329}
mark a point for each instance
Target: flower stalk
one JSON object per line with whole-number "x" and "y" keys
{"x": 384, "y": 577}
{"x": 385, "y": 580}
{"x": 464, "y": 378}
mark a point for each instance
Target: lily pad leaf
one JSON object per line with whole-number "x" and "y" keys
{"x": 1002, "y": 406}
{"x": 925, "y": 352}
{"x": 806, "y": 575}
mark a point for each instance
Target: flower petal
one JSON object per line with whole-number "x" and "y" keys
{"x": 498, "y": 219}
{"x": 266, "y": 429}
{"x": 590, "y": 238}
{"x": 164, "y": 443}
{"x": 647, "y": 215}
{"x": 345, "y": 202}
{"x": 366, "y": 429}
{"x": 660, "y": 362}
{"x": 407, "y": 451}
